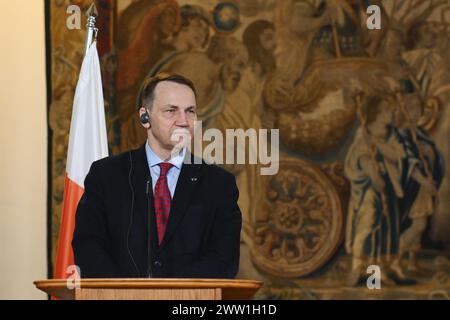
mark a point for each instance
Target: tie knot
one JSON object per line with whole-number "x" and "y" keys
{"x": 165, "y": 167}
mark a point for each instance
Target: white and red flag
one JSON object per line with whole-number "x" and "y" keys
{"x": 87, "y": 143}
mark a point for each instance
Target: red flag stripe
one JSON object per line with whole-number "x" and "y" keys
{"x": 72, "y": 195}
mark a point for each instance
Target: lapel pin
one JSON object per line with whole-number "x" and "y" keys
{"x": 194, "y": 179}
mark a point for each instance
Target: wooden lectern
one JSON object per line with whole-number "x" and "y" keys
{"x": 152, "y": 289}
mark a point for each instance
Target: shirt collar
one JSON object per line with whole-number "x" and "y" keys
{"x": 154, "y": 160}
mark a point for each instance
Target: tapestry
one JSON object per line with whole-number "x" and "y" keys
{"x": 363, "y": 117}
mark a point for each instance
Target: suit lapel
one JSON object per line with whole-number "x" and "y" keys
{"x": 187, "y": 185}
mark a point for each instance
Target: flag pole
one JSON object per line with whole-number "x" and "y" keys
{"x": 88, "y": 142}
{"x": 92, "y": 14}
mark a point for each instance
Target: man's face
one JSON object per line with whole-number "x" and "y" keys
{"x": 167, "y": 22}
{"x": 173, "y": 112}
{"x": 197, "y": 30}
{"x": 267, "y": 40}
{"x": 380, "y": 126}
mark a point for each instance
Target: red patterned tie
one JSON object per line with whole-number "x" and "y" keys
{"x": 162, "y": 200}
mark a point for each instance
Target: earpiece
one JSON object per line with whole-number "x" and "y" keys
{"x": 145, "y": 118}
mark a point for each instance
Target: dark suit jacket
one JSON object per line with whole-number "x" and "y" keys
{"x": 116, "y": 237}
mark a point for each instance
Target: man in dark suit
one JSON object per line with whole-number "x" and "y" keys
{"x": 151, "y": 212}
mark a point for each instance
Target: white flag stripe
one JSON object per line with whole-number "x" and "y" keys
{"x": 88, "y": 139}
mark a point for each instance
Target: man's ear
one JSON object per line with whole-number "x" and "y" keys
{"x": 144, "y": 118}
